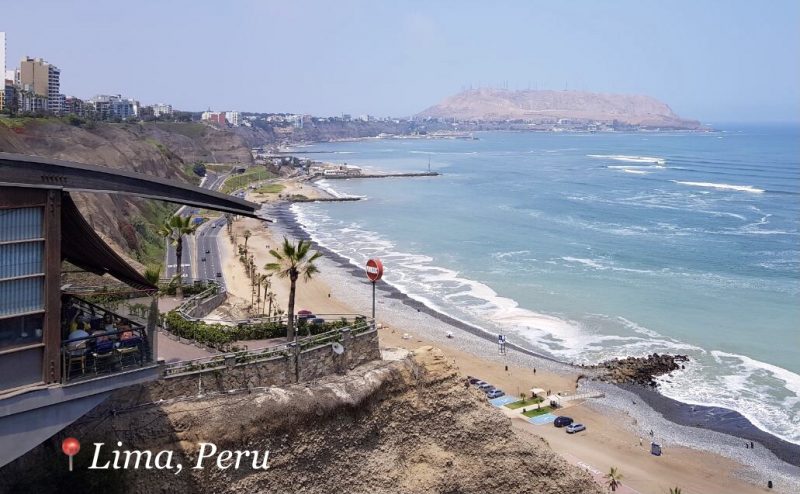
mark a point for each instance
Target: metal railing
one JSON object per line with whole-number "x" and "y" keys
{"x": 99, "y": 350}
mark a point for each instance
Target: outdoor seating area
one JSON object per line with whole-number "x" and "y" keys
{"x": 98, "y": 341}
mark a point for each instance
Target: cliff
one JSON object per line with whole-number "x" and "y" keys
{"x": 164, "y": 150}
{"x": 494, "y": 105}
{"x": 405, "y": 426}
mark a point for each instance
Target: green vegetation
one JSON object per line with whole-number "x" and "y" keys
{"x": 151, "y": 245}
{"x": 220, "y": 168}
{"x": 270, "y": 189}
{"x": 254, "y": 174}
{"x": 537, "y": 411}
{"x": 191, "y": 130}
{"x": 222, "y": 337}
{"x": 524, "y": 403}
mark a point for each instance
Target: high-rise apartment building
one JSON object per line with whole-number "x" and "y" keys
{"x": 44, "y": 79}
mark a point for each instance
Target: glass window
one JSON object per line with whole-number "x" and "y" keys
{"x": 21, "y": 259}
{"x": 21, "y": 224}
{"x": 21, "y": 296}
{"x": 21, "y": 330}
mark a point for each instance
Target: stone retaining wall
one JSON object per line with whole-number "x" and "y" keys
{"x": 291, "y": 367}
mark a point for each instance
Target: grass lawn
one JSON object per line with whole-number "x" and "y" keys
{"x": 240, "y": 180}
{"x": 524, "y": 403}
{"x": 535, "y": 412}
{"x": 270, "y": 189}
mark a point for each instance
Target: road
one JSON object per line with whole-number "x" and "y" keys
{"x": 192, "y": 248}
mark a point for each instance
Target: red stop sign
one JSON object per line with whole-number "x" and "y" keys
{"x": 374, "y": 269}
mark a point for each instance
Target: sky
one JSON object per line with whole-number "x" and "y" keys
{"x": 716, "y": 61}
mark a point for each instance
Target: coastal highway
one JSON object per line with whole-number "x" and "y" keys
{"x": 212, "y": 181}
{"x": 208, "y": 249}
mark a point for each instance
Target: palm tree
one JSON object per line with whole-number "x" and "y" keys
{"x": 246, "y": 236}
{"x": 153, "y": 275}
{"x": 267, "y": 285}
{"x": 674, "y": 490}
{"x": 272, "y": 299}
{"x": 614, "y": 478}
{"x": 292, "y": 262}
{"x": 173, "y": 230}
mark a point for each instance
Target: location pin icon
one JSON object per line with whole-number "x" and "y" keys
{"x": 70, "y": 446}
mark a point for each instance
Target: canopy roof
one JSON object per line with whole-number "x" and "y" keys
{"x": 33, "y": 171}
{"x": 81, "y": 246}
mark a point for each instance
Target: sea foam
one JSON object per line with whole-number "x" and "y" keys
{"x": 711, "y": 185}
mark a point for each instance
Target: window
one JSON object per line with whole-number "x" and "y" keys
{"x": 22, "y": 276}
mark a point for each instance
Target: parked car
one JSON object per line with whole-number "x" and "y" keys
{"x": 305, "y": 314}
{"x": 497, "y": 393}
{"x": 474, "y": 380}
{"x": 572, "y": 429}
{"x": 485, "y": 386}
{"x": 562, "y": 421}
{"x": 318, "y": 320}
{"x": 219, "y": 275}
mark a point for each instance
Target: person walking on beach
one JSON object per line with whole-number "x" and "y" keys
{"x": 534, "y": 371}
{"x": 640, "y": 442}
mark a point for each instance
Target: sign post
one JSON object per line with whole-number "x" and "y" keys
{"x": 374, "y": 273}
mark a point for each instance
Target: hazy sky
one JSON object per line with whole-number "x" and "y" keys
{"x": 710, "y": 60}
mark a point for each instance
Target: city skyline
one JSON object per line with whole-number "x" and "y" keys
{"x": 386, "y": 60}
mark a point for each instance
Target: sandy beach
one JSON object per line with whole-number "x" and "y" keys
{"x": 697, "y": 460}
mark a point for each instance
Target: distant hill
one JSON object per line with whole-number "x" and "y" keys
{"x": 492, "y": 105}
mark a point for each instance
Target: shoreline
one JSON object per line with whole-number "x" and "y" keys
{"x": 713, "y": 419}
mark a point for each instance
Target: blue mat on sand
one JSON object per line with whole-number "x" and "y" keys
{"x": 503, "y": 400}
{"x": 542, "y": 419}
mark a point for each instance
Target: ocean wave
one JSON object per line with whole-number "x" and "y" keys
{"x": 630, "y": 159}
{"x": 740, "y": 188}
{"x": 637, "y": 172}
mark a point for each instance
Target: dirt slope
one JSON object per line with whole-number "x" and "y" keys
{"x": 407, "y": 426}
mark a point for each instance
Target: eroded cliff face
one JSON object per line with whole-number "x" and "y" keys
{"x": 386, "y": 427}
{"x": 164, "y": 150}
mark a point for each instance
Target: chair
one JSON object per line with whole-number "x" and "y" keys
{"x": 103, "y": 352}
{"x": 130, "y": 347}
{"x": 76, "y": 353}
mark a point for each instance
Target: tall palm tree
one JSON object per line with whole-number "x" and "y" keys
{"x": 674, "y": 490}
{"x": 293, "y": 261}
{"x": 247, "y": 234}
{"x": 267, "y": 285}
{"x": 173, "y": 230}
{"x": 271, "y": 299}
{"x": 153, "y": 275}
{"x": 614, "y": 478}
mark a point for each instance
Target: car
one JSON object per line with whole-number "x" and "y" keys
{"x": 485, "y": 386}
{"x": 202, "y": 259}
{"x": 219, "y": 275}
{"x": 208, "y": 251}
{"x": 474, "y": 380}
{"x": 572, "y": 429}
{"x": 318, "y": 321}
{"x": 497, "y": 393}
{"x": 562, "y": 421}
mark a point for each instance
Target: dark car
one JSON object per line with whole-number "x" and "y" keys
{"x": 318, "y": 321}
{"x": 474, "y": 380}
{"x": 219, "y": 275}
{"x": 202, "y": 259}
{"x": 572, "y": 429}
{"x": 208, "y": 251}
{"x": 562, "y": 421}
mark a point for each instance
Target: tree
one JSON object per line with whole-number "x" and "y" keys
{"x": 293, "y": 261}
{"x": 271, "y": 299}
{"x": 153, "y": 275}
{"x": 199, "y": 168}
{"x": 614, "y": 478}
{"x": 674, "y": 490}
{"x": 246, "y": 236}
{"x": 173, "y": 230}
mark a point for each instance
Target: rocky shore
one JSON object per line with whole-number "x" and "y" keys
{"x": 640, "y": 370}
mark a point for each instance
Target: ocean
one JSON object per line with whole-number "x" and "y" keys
{"x": 588, "y": 247}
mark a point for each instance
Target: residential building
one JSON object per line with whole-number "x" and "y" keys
{"x": 232, "y": 117}
{"x": 108, "y": 107}
{"x": 214, "y": 117}
{"x": 29, "y": 101}
{"x": 2, "y": 54}
{"x": 160, "y": 109}
{"x": 74, "y": 106}
{"x": 44, "y": 79}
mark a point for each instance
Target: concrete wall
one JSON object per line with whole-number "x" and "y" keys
{"x": 297, "y": 366}
{"x": 203, "y": 308}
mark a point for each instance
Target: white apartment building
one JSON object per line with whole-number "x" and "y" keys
{"x": 161, "y": 109}
{"x": 232, "y": 117}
